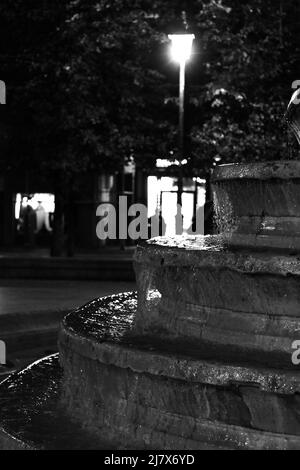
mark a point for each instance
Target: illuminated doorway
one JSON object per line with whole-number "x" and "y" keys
{"x": 162, "y": 198}
{"x": 34, "y": 218}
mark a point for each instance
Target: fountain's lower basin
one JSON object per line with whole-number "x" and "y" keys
{"x": 31, "y": 412}
{"x": 141, "y": 395}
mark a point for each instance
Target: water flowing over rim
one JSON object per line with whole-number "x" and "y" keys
{"x": 198, "y": 251}
{"x": 281, "y": 169}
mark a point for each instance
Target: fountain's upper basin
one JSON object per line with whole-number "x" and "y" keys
{"x": 258, "y": 204}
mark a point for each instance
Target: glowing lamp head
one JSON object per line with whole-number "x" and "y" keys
{"x": 181, "y": 46}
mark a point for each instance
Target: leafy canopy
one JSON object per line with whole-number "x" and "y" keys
{"x": 90, "y": 83}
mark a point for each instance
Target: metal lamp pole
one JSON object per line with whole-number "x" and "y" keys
{"x": 181, "y": 128}
{"x": 181, "y": 52}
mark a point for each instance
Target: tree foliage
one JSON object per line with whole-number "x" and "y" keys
{"x": 90, "y": 83}
{"x": 249, "y": 55}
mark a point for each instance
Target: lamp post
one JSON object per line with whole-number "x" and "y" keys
{"x": 181, "y": 51}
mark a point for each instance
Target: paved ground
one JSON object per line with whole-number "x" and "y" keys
{"x": 107, "y": 252}
{"x": 32, "y": 303}
{"x": 18, "y": 296}
{"x": 101, "y": 265}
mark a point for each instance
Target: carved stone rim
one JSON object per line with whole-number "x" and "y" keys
{"x": 142, "y": 356}
{"x": 282, "y": 169}
{"x": 212, "y": 251}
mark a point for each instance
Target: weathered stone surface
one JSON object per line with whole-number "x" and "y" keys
{"x": 204, "y": 251}
{"x": 104, "y": 330}
{"x": 259, "y": 204}
{"x": 283, "y": 170}
{"x": 151, "y": 411}
{"x": 149, "y": 397}
{"x": 246, "y": 302}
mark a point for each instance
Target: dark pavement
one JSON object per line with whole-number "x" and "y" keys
{"x": 21, "y": 296}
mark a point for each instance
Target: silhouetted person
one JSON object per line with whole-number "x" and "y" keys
{"x": 29, "y": 225}
{"x": 156, "y": 225}
{"x": 42, "y": 218}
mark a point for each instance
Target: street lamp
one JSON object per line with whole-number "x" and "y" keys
{"x": 181, "y": 52}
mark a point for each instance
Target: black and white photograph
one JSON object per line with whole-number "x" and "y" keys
{"x": 149, "y": 228}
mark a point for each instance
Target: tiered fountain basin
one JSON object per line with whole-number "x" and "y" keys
{"x": 199, "y": 358}
{"x": 207, "y": 297}
{"x": 258, "y": 204}
{"x": 151, "y": 394}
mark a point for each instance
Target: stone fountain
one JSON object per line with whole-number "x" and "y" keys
{"x": 201, "y": 356}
